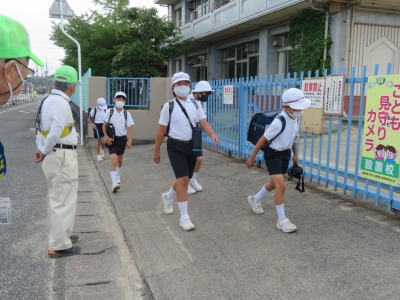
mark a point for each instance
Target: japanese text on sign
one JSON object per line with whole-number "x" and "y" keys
{"x": 228, "y": 94}
{"x": 334, "y": 95}
{"x": 313, "y": 89}
{"x": 380, "y": 149}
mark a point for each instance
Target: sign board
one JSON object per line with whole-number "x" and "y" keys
{"x": 313, "y": 89}
{"x": 228, "y": 94}
{"x": 381, "y": 143}
{"x": 55, "y": 10}
{"x": 334, "y": 95}
{"x": 312, "y": 120}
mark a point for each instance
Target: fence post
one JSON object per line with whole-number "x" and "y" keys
{"x": 243, "y": 106}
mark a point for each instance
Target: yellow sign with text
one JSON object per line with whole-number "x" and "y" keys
{"x": 381, "y": 142}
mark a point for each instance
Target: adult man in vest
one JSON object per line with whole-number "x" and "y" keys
{"x": 56, "y": 142}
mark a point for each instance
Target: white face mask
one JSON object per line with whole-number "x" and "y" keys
{"x": 297, "y": 114}
{"x": 182, "y": 91}
{"x": 119, "y": 104}
{"x": 11, "y": 90}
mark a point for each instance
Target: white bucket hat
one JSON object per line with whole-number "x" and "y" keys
{"x": 294, "y": 98}
{"x": 180, "y": 76}
{"x": 120, "y": 94}
{"x": 202, "y": 86}
{"x": 101, "y": 103}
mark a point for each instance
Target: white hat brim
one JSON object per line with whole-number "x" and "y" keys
{"x": 302, "y": 104}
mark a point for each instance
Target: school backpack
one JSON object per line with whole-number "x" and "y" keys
{"x": 260, "y": 122}
{"x": 94, "y": 114}
{"x": 171, "y": 108}
{"x": 296, "y": 171}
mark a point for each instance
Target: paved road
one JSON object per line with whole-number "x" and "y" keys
{"x": 341, "y": 251}
{"x": 25, "y": 271}
{"x": 104, "y": 270}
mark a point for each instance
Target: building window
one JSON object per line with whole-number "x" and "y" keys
{"x": 283, "y": 52}
{"x": 178, "y": 17}
{"x": 199, "y": 65}
{"x": 202, "y": 7}
{"x": 219, "y": 3}
{"x": 240, "y": 60}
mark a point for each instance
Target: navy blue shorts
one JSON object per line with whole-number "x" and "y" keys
{"x": 277, "y": 162}
{"x": 118, "y": 146}
{"x": 99, "y": 130}
{"x": 181, "y": 157}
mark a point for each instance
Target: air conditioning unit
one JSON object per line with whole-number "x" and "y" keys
{"x": 279, "y": 42}
{"x": 251, "y": 48}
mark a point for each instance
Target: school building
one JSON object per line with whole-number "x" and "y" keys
{"x": 243, "y": 38}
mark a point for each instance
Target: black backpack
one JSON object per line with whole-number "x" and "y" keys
{"x": 296, "y": 171}
{"x": 260, "y": 122}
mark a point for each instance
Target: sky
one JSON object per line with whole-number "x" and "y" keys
{"x": 34, "y": 15}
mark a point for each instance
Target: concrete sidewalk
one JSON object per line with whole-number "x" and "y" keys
{"x": 105, "y": 268}
{"x": 340, "y": 251}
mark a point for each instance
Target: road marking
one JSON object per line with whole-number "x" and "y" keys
{"x": 19, "y": 107}
{"x": 28, "y": 111}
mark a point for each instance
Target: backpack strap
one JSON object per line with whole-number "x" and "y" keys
{"x": 282, "y": 118}
{"x": 302, "y": 184}
{"x": 195, "y": 103}
{"x": 111, "y": 113}
{"x": 94, "y": 114}
{"x": 171, "y": 108}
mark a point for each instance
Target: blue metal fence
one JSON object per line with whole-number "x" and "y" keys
{"x": 137, "y": 91}
{"x": 331, "y": 159}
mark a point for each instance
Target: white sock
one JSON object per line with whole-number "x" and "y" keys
{"x": 117, "y": 171}
{"x": 194, "y": 176}
{"x": 184, "y": 211}
{"x": 260, "y": 195}
{"x": 280, "y": 209}
{"x": 171, "y": 194}
{"x": 113, "y": 176}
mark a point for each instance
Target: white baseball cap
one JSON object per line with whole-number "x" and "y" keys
{"x": 180, "y": 76}
{"x": 101, "y": 103}
{"x": 120, "y": 94}
{"x": 294, "y": 98}
{"x": 202, "y": 86}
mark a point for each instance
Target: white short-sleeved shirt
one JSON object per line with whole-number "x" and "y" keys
{"x": 118, "y": 120}
{"x": 55, "y": 115}
{"x": 180, "y": 128}
{"x": 285, "y": 140}
{"x": 100, "y": 113}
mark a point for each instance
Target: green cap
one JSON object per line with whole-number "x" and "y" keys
{"x": 14, "y": 41}
{"x": 66, "y": 74}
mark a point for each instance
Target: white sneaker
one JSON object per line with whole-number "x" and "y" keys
{"x": 257, "y": 209}
{"x": 102, "y": 152}
{"x": 187, "y": 225}
{"x": 99, "y": 158}
{"x": 115, "y": 187}
{"x": 286, "y": 226}
{"x": 191, "y": 190}
{"x": 168, "y": 208}
{"x": 195, "y": 185}
{"x": 118, "y": 180}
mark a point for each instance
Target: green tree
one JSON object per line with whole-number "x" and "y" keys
{"x": 306, "y": 37}
{"x": 120, "y": 41}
